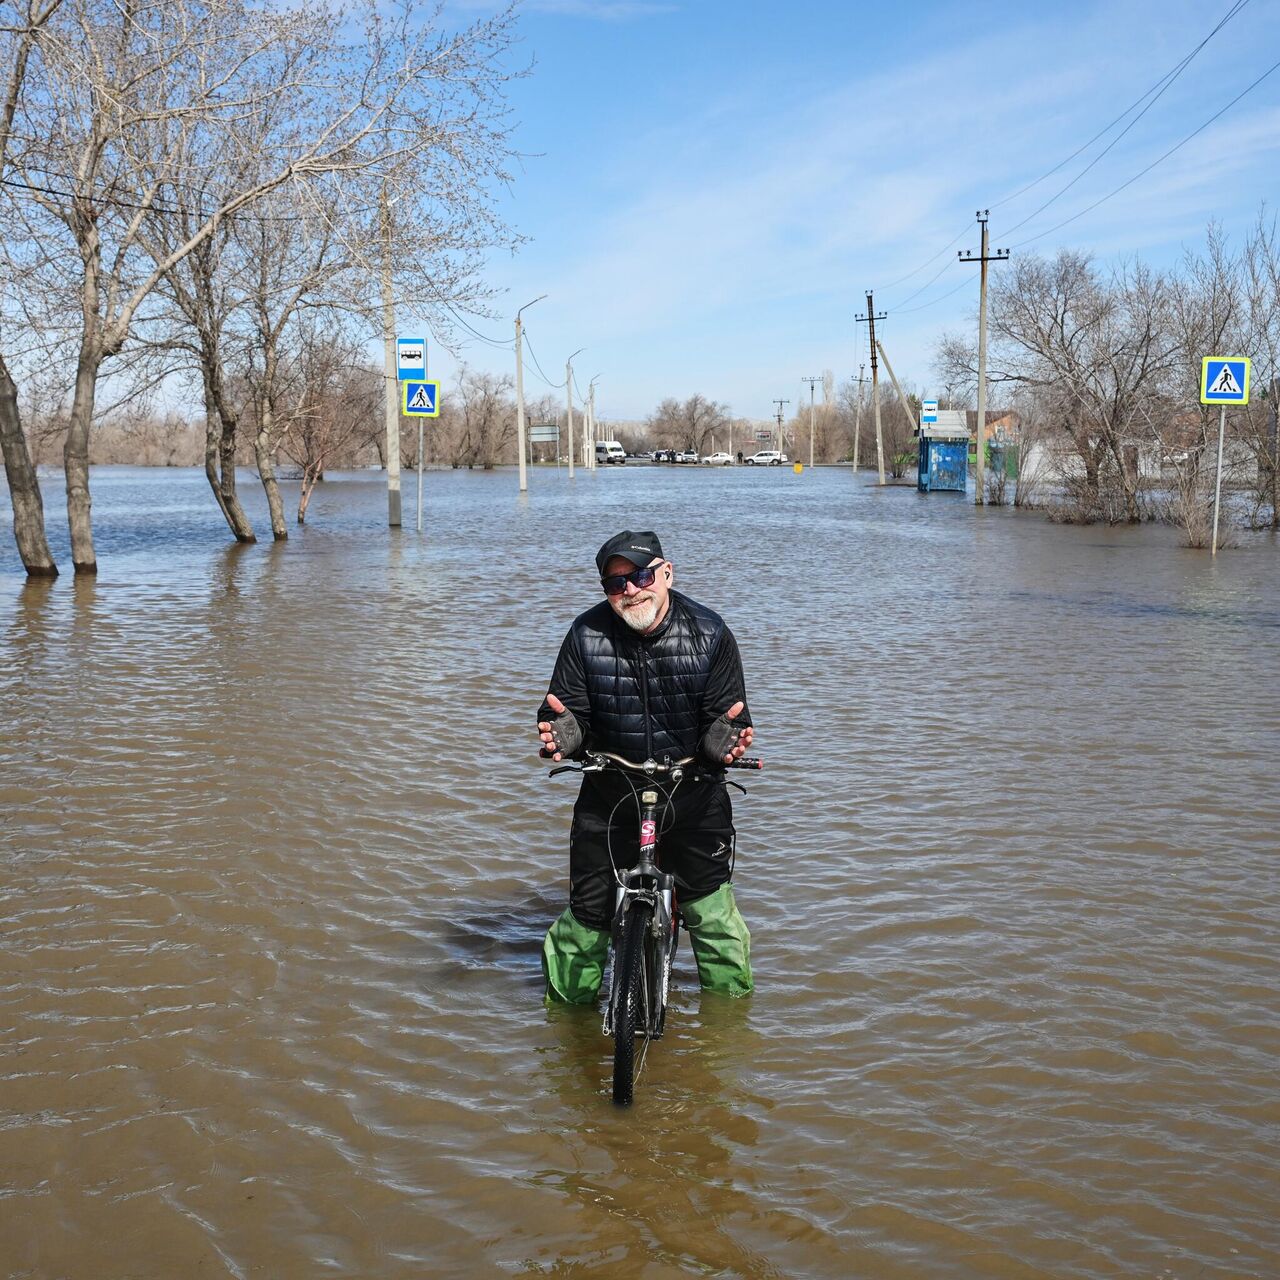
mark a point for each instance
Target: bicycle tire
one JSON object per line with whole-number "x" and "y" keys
{"x": 630, "y": 1014}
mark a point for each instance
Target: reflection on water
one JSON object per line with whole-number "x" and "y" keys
{"x": 277, "y": 862}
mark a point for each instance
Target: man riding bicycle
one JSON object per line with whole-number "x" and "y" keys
{"x": 648, "y": 674}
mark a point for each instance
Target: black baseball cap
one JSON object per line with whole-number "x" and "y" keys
{"x": 639, "y": 548}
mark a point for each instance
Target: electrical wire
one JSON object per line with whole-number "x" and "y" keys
{"x": 1173, "y": 71}
{"x": 167, "y": 210}
{"x": 933, "y": 302}
{"x": 555, "y": 386}
{"x": 1159, "y": 160}
{"x": 1158, "y": 89}
{"x": 1169, "y": 81}
{"x": 916, "y": 271}
{"x": 946, "y": 266}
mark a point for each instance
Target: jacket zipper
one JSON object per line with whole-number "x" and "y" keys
{"x": 644, "y": 694}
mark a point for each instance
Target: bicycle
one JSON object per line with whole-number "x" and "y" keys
{"x": 646, "y": 922}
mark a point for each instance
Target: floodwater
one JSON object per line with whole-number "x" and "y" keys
{"x": 277, "y": 857}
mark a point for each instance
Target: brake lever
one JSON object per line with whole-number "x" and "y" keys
{"x": 564, "y": 768}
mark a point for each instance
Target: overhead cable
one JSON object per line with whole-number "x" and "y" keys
{"x": 1159, "y": 160}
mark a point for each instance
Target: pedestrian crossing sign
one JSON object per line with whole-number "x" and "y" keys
{"x": 420, "y": 399}
{"x": 1224, "y": 380}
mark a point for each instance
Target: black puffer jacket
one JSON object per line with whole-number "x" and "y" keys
{"x": 649, "y": 696}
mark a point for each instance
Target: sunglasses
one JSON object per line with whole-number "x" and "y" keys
{"x": 616, "y": 583}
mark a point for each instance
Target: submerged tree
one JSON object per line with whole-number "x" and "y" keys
{"x": 130, "y": 112}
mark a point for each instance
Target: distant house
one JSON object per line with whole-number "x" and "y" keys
{"x": 1002, "y": 425}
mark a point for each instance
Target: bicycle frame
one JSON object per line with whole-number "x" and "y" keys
{"x": 646, "y": 883}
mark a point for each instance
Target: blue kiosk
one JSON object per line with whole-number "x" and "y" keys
{"x": 944, "y": 449}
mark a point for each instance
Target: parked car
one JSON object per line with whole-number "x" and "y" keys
{"x": 720, "y": 459}
{"x": 767, "y": 458}
{"x": 686, "y": 455}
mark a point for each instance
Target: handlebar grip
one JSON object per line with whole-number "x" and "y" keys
{"x": 747, "y": 762}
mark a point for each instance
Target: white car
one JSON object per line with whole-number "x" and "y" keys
{"x": 686, "y": 455}
{"x": 720, "y": 459}
{"x": 766, "y": 458}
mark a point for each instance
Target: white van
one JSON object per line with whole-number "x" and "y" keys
{"x": 610, "y": 451}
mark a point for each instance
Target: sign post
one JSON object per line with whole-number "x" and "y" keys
{"x": 547, "y": 433}
{"x": 420, "y": 400}
{"x": 1224, "y": 380}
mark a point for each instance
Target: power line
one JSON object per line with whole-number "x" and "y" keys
{"x": 925, "y": 305}
{"x": 1159, "y": 160}
{"x": 168, "y": 210}
{"x": 949, "y": 245}
{"x": 1158, "y": 89}
{"x": 941, "y": 270}
{"x": 1169, "y": 80}
{"x": 555, "y": 386}
{"x": 1173, "y": 71}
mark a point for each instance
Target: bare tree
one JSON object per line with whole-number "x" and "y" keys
{"x": 485, "y": 423}
{"x": 1098, "y": 351}
{"x": 340, "y": 410}
{"x": 689, "y": 424}
{"x": 22, "y": 26}
{"x": 134, "y": 96}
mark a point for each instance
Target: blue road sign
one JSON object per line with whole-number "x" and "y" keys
{"x": 1224, "y": 380}
{"x": 420, "y": 399}
{"x": 929, "y": 411}
{"x": 411, "y": 358}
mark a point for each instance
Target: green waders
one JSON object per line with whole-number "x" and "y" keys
{"x": 573, "y": 956}
{"x": 721, "y": 942}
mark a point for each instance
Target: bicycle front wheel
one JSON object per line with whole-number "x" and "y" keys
{"x": 631, "y": 1015}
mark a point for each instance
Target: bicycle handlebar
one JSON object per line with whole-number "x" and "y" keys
{"x": 598, "y": 761}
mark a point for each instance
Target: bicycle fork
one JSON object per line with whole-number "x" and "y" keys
{"x": 646, "y": 883}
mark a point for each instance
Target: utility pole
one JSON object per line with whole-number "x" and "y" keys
{"x": 392, "y": 387}
{"x": 520, "y": 445}
{"x": 780, "y": 403}
{"x": 871, "y": 317}
{"x": 568, "y": 395}
{"x": 857, "y": 416}
{"x": 984, "y": 256}
{"x": 811, "y": 382}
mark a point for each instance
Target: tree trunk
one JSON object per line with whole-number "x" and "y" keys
{"x": 310, "y": 477}
{"x": 75, "y": 458}
{"x": 220, "y": 459}
{"x": 24, "y": 487}
{"x": 267, "y": 472}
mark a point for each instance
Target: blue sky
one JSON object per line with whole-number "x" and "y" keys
{"x": 709, "y": 188}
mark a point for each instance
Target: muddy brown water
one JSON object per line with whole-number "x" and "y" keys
{"x": 276, "y": 861}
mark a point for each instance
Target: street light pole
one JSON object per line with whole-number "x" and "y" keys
{"x": 568, "y": 395}
{"x": 591, "y": 423}
{"x": 520, "y": 448}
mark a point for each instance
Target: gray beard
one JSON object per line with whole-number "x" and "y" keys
{"x": 640, "y": 617}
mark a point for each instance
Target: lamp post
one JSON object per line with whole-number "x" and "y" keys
{"x": 568, "y": 395}
{"x": 524, "y": 474}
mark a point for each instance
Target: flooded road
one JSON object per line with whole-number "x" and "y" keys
{"x": 276, "y": 859}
